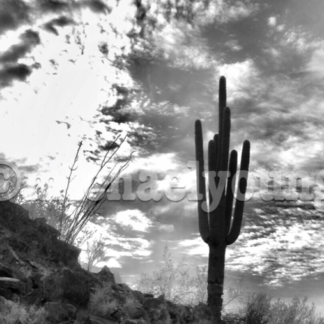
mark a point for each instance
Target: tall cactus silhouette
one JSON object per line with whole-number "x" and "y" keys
{"x": 216, "y": 225}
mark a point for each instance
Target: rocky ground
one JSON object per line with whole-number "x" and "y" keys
{"x": 39, "y": 270}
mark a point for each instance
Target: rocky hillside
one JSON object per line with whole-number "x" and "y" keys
{"x": 39, "y": 274}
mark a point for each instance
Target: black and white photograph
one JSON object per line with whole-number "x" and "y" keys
{"x": 161, "y": 162}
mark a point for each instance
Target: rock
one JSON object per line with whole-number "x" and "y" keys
{"x": 6, "y": 293}
{"x": 12, "y": 284}
{"x": 67, "y": 285}
{"x": 57, "y": 313}
{"x": 13, "y": 217}
{"x": 185, "y": 314}
{"x": 105, "y": 275}
{"x": 138, "y": 313}
{"x": 34, "y": 238}
{"x": 100, "y": 320}
{"x": 82, "y": 317}
{"x": 45, "y": 228}
{"x": 3, "y": 300}
{"x": 132, "y": 321}
{"x": 139, "y": 296}
{"x": 156, "y": 310}
{"x": 35, "y": 297}
{"x": 5, "y": 271}
{"x": 202, "y": 312}
{"x": 174, "y": 313}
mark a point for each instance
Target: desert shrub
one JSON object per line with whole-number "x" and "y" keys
{"x": 297, "y": 312}
{"x": 258, "y": 309}
{"x": 233, "y": 318}
{"x": 174, "y": 281}
{"x": 12, "y": 313}
{"x": 171, "y": 280}
{"x": 70, "y": 217}
{"x": 101, "y": 303}
{"x": 47, "y": 207}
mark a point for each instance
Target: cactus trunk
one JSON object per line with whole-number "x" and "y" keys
{"x": 217, "y": 227}
{"x": 216, "y": 279}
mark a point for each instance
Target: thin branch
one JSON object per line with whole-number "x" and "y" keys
{"x": 67, "y": 186}
{"x": 87, "y": 208}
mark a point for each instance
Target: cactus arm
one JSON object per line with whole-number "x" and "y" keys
{"x": 212, "y": 156}
{"x": 225, "y": 140}
{"x": 201, "y": 187}
{"x": 217, "y": 160}
{"x": 239, "y": 206}
{"x": 221, "y": 104}
{"x": 229, "y": 189}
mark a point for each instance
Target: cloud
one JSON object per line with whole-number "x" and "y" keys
{"x": 117, "y": 245}
{"x": 166, "y": 227}
{"x": 10, "y": 70}
{"x": 222, "y": 12}
{"x": 195, "y": 246}
{"x": 134, "y": 220}
{"x": 30, "y": 168}
{"x": 272, "y": 21}
{"x": 48, "y": 6}
{"x": 111, "y": 263}
{"x": 97, "y": 6}
{"x": 282, "y": 245}
{"x": 155, "y": 163}
{"x": 315, "y": 64}
{"x": 238, "y": 11}
{"x": 29, "y": 39}
{"x": 13, "y": 13}
{"x": 239, "y": 76}
{"x": 234, "y": 45}
{"x": 61, "y": 21}
{"x": 8, "y": 74}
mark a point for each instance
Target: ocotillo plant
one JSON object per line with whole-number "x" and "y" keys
{"x": 216, "y": 225}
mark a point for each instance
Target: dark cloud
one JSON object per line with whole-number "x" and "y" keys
{"x": 143, "y": 137}
{"x": 9, "y": 74}
{"x": 53, "y": 5}
{"x": 13, "y": 13}
{"x": 110, "y": 145}
{"x": 30, "y": 168}
{"x": 96, "y": 6}
{"x": 60, "y": 22}
{"x": 12, "y": 71}
{"x": 163, "y": 82}
{"x": 29, "y": 39}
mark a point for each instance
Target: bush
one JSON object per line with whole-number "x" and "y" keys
{"x": 12, "y": 313}
{"x": 297, "y": 312}
{"x": 233, "y": 319}
{"x": 258, "y": 309}
{"x": 104, "y": 302}
{"x": 175, "y": 282}
{"x": 57, "y": 209}
{"x": 47, "y": 207}
{"x": 101, "y": 303}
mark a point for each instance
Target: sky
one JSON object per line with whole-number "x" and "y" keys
{"x": 93, "y": 70}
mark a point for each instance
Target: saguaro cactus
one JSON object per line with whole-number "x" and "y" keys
{"x": 216, "y": 225}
